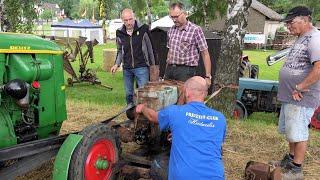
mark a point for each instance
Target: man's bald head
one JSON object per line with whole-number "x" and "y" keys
{"x": 128, "y": 19}
{"x": 127, "y": 11}
{"x": 196, "y": 88}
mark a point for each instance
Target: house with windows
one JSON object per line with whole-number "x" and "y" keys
{"x": 261, "y": 20}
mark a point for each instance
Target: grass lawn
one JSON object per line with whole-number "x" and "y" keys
{"x": 255, "y": 138}
{"x": 259, "y": 57}
{"x": 93, "y": 94}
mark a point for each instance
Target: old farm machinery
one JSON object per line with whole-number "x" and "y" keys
{"x": 82, "y": 50}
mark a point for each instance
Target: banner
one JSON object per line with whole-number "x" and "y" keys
{"x": 255, "y": 38}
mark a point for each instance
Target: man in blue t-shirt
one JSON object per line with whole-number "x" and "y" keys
{"x": 198, "y": 133}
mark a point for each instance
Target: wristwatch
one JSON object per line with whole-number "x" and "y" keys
{"x": 297, "y": 89}
{"x": 208, "y": 76}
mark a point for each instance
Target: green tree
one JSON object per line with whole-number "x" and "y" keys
{"x": 69, "y": 7}
{"x": 46, "y": 15}
{"x": 149, "y": 8}
{"x": 106, "y": 8}
{"x": 87, "y": 9}
{"x": 205, "y": 10}
{"x": 314, "y": 5}
{"x": 283, "y": 6}
{"x": 18, "y": 18}
{"x": 226, "y": 76}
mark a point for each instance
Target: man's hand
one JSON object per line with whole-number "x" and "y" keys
{"x": 169, "y": 137}
{"x": 114, "y": 68}
{"x": 208, "y": 82}
{"x": 139, "y": 108}
{"x": 297, "y": 93}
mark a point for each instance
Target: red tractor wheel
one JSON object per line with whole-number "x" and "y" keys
{"x": 96, "y": 154}
{"x": 315, "y": 120}
{"x": 239, "y": 111}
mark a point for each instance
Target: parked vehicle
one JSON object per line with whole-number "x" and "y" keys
{"x": 256, "y": 95}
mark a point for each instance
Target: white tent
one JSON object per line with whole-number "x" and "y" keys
{"x": 85, "y": 28}
{"x": 162, "y": 22}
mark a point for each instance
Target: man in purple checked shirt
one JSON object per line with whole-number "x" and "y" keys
{"x": 185, "y": 40}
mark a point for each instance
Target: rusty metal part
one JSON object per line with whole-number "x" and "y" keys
{"x": 67, "y": 66}
{"x": 136, "y": 159}
{"x": 126, "y": 135}
{"x": 79, "y": 47}
{"x": 154, "y": 73}
{"x": 134, "y": 172}
{"x": 155, "y": 95}
{"x": 178, "y": 84}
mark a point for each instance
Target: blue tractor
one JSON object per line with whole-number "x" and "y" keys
{"x": 256, "y": 95}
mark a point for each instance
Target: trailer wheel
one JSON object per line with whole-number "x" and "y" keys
{"x": 96, "y": 154}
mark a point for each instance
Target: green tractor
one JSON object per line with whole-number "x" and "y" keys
{"x": 32, "y": 109}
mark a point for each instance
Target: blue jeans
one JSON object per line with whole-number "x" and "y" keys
{"x": 142, "y": 77}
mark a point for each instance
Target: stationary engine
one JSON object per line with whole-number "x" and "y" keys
{"x": 155, "y": 95}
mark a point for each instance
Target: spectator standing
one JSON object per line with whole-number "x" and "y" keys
{"x": 185, "y": 41}
{"x": 299, "y": 89}
{"x": 134, "y": 50}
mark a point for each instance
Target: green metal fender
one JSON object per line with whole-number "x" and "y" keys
{"x": 62, "y": 161}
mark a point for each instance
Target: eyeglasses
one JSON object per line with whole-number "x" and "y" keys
{"x": 291, "y": 22}
{"x": 176, "y": 17}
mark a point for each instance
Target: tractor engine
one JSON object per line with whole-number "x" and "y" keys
{"x": 32, "y": 99}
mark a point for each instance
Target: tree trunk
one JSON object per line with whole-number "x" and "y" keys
{"x": 148, "y": 3}
{"x": 1, "y": 15}
{"x": 205, "y": 16}
{"x": 227, "y": 75}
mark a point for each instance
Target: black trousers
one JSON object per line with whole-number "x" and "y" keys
{"x": 179, "y": 72}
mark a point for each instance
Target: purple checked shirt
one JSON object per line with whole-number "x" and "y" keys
{"x": 184, "y": 45}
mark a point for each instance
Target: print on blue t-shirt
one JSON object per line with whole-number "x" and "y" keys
{"x": 197, "y": 136}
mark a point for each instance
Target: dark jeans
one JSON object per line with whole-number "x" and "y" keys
{"x": 179, "y": 72}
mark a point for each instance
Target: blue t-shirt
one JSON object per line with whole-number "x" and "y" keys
{"x": 197, "y": 136}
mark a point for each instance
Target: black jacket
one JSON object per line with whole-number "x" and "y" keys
{"x": 136, "y": 50}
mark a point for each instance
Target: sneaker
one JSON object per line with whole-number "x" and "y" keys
{"x": 285, "y": 160}
{"x": 292, "y": 172}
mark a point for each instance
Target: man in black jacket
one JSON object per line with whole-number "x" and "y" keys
{"x": 134, "y": 51}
